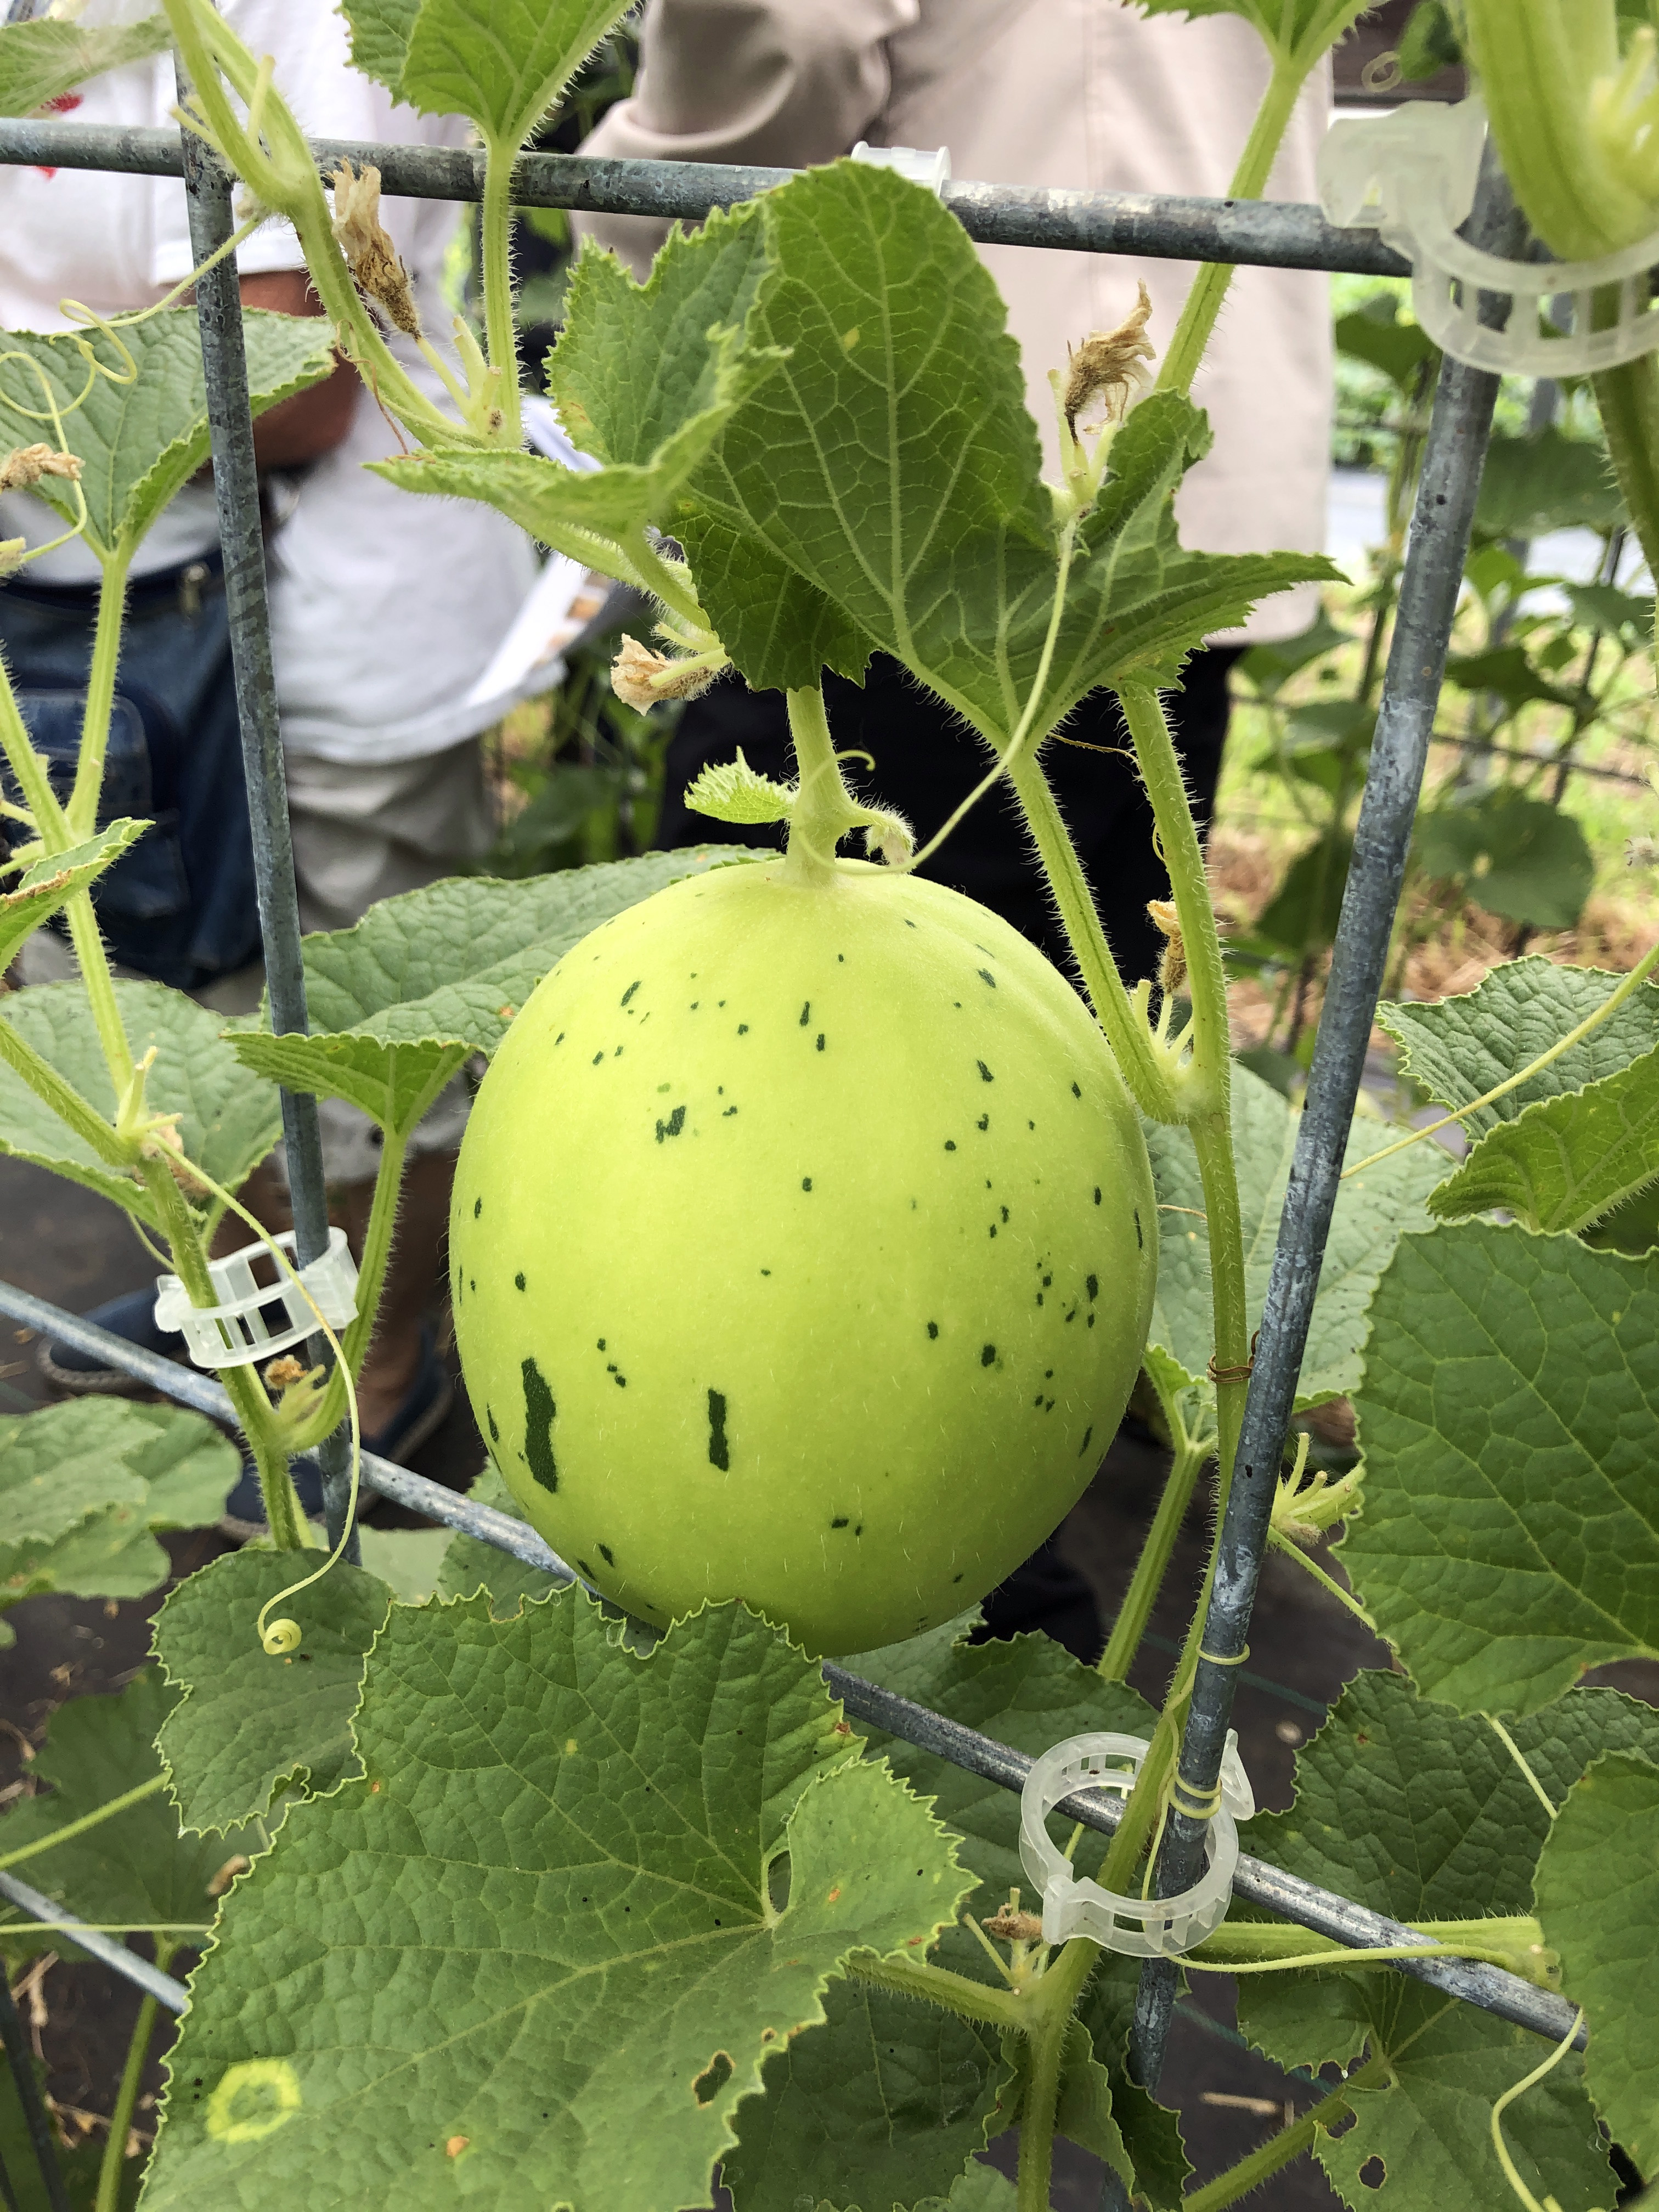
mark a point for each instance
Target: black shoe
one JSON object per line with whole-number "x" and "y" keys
{"x": 82, "y": 1374}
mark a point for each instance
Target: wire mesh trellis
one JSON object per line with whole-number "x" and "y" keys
{"x": 1279, "y": 235}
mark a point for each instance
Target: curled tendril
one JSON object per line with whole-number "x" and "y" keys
{"x": 280, "y": 1637}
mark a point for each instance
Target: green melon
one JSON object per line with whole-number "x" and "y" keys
{"x": 803, "y": 1250}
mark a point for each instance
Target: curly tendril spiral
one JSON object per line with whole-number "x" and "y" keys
{"x": 282, "y": 1637}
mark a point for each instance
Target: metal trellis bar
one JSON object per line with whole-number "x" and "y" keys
{"x": 1322, "y": 1910}
{"x": 1167, "y": 227}
{"x": 1453, "y": 455}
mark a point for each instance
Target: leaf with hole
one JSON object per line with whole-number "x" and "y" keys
{"x": 557, "y": 1890}
{"x": 1417, "y": 1812}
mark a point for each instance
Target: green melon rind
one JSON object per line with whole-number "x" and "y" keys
{"x": 803, "y": 1250}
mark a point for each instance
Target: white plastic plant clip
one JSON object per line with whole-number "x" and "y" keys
{"x": 234, "y": 1333}
{"x": 1411, "y": 176}
{"x": 1136, "y": 1927}
{"x": 920, "y": 166}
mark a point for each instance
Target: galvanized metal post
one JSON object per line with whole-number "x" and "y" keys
{"x": 236, "y": 491}
{"x": 1453, "y": 455}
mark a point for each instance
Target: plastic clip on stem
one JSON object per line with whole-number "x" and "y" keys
{"x": 236, "y": 491}
{"x": 1453, "y": 457}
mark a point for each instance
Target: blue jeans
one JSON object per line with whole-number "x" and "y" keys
{"x": 179, "y": 906}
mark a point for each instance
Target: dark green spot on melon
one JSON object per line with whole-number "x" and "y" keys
{"x": 495, "y": 1433}
{"x": 539, "y": 1413}
{"x": 1076, "y": 1093}
{"x": 518, "y": 1281}
{"x": 841, "y": 1521}
{"x": 949, "y": 1144}
{"x": 806, "y": 1182}
{"x": 933, "y": 1329}
{"x": 1097, "y": 1202}
{"x": 820, "y": 1040}
{"x": 983, "y": 1122}
{"x": 805, "y": 1013}
{"x": 985, "y": 1074}
{"x": 1092, "y": 1283}
{"x": 626, "y": 996}
{"x": 672, "y": 1125}
{"x": 719, "y": 1454}
{"x": 988, "y": 977}
{"x": 477, "y": 1207}
{"x": 1140, "y": 1241}
{"x": 987, "y": 1357}
{"x": 1084, "y": 1446}
{"x": 607, "y": 1555}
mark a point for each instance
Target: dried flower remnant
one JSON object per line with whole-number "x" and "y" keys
{"x": 1172, "y": 968}
{"x": 641, "y": 678}
{"x": 1108, "y": 366}
{"x": 372, "y": 258}
{"x": 25, "y": 465}
{"x": 1639, "y": 851}
{"x": 14, "y": 551}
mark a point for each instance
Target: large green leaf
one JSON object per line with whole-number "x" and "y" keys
{"x": 142, "y": 437}
{"x": 1518, "y": 858}
{"x": 1564, "y": 1162}
{"x": 873, "y": 492}
{"x": 538, "y": 1953}
{"x": 84, "y": 1486}
{"x": 1460, "y": 1048}
{"x": 39, "y": 61}
{"x": 133, "y": 1868}
{"x": 399, "y": 1000}
{"x": 48, "y": 884}
{"x": 1597, "y": 1893}
{"x": 1373, "y": 1209}
{"x": 247, "y": 1723}
{"x": 1406, "y": 1808}
{"x": 502, "y": 62}
{"x": 648, "y": 378}
{"x": 1510, "y": 1532}
{"x": 228, "y": 1119}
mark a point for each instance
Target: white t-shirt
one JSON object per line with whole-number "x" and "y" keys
{"x": 386, "y": 607}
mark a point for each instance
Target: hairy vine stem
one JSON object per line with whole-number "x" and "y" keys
{"x": 1289, "y": 2142}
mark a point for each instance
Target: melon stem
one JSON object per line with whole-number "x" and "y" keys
{"x": 824, "y": 810}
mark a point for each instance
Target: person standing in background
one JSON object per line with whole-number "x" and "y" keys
{"x": 385, "y": 611}
{"x": 1083, "y": 94}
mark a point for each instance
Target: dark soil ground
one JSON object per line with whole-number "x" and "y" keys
{"x": 68, "y": 1246}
